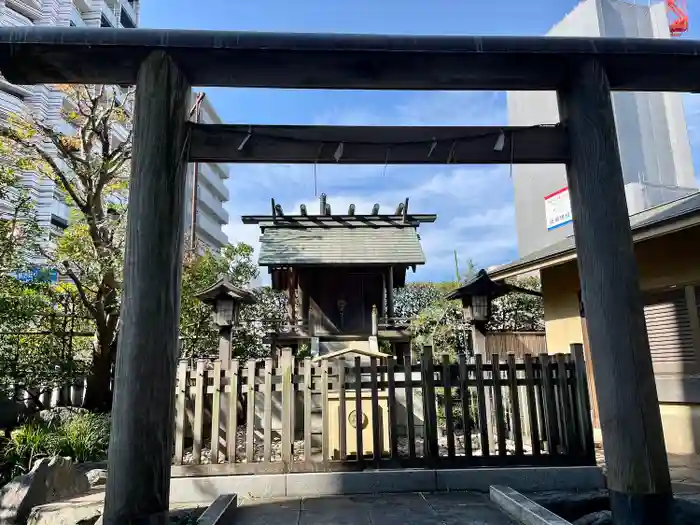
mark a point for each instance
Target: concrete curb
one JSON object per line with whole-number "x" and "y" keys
{"x": 523, "y": 510}
{"x": 221, "y": 511}
{"x": 206, "y": 489}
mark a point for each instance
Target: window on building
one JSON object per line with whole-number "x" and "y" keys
{"x": 671, "y": 329}
{"x": 104, "y": 22}
{"x": 72, "y": 24}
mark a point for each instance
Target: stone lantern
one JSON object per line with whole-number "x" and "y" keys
{"x": 477, "y": 295}
{"x": 226, "y": 298}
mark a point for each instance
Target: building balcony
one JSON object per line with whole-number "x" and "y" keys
{"x": 60, "y": 213}
{"x": 10, "y": 105}
{"x": 76, "y": 16}
{"x": 128, "y": 9}
{"x": 211, "y": 229}
{"x": 29, "y": 8}
{"x": 110, "y": 13}
{"x": 84, "y": 5}
{"x": 214, "y": 206}
{"x": 210, "y": 177}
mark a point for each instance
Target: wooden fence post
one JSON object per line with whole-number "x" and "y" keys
{"x": 429, "y": 413}
{"x": 287, "y": 406}
{"x": 585, "y": 424}
{"x": 215, "y": 412}
{"x": 200, "y": 394}
{"x": 180, "y": 410}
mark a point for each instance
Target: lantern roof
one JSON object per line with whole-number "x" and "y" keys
{"x": 482, "y": 284}
{"x": 225, "y": 289}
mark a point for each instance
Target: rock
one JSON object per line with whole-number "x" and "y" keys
{"x": 11, "y": 413}
{"x": 97, "y": 477}
{"x": 51, "y": 479}
{"x": 572, "y": 505}
{"x": 603, "y": 517}
{"x": 60, "y": 414}
{"x": 66, "y": 514}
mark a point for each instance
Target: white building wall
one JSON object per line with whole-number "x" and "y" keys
{"x": 211, "y": 192}
{"x": 651, "y": 128}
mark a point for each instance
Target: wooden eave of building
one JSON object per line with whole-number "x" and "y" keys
{"x": 655, "y": 222}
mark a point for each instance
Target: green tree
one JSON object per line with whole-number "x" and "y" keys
{"x": 433, "y": 320}
{"x": 518, "y": 312}
{"x": 198, "y": 334}
{"x": 90, "y": 166}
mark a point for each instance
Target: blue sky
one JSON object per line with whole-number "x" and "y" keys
{"x": 474, "y": 204}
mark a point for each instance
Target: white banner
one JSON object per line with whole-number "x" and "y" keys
{"x": 557, "y": 208}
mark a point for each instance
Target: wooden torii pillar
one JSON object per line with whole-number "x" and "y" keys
{"x": 635, "y": 452}
{"x": 141, "y": 440}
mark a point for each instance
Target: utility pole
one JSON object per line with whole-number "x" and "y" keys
{"x": 195, "y": 112}
{"x": 459, "y": 280}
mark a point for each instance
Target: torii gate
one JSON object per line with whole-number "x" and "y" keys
{"x": 165, "y": 63}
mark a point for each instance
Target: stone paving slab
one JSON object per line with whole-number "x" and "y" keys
{"x": 384, "y": 509}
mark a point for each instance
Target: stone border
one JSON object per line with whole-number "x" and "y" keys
{"x": 523, "y": 510}
{"x": 205, "y": 489}
{"x": 221, "y": 511}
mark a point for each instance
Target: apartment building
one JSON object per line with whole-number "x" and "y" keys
{"x": 208, "y": 199}
{"x": 46, "y": 103}
{"x": 651, "y": 131}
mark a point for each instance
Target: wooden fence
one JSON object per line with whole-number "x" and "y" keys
{"x": 518, "y": 343}
{"x": 305, "y": 416}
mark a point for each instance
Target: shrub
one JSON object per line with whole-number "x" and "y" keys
{"x": 83, "y": 437}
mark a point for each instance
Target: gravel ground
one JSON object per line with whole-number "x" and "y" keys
{"x": 298, "y": 454}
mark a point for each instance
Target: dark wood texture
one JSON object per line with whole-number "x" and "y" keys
{"x": 429, "y": 401}
{"x": 411, "y": 424}
{"x": 481, "y": 403}
{"x": 325, "y": 415}
{"x": 583, "y": 401}
{"x": 377, "y": 379}
{"x": 307, "y": 408}
{"x": 566, "y": 417}
{"x": 515, "y": 403}
{"x": 532, "y": 406}
{"x": 215, "y": 412}
{"x": 342, "y": 412}
{"x": 376, "y": 425}
{"x": 447, "y": 392}
{"x": 54, "y": 55}
{"x": 250, "y": 405}
{"x": 150, "y": 314}
{"x": 198, "y": 412}
{"x": 370, "y": 144}
{"x": 467, "y": 424}
{"x": 180, "y": 415}
{"x": 233, "y": 396}
{"x": 287, "y": 405}
{"x": 498, "y": 404}
{"x": 549, "y": 407}
{"x": 358, "y": 410}
{"x": 391, "y": 397}
{"x": 629, "y": 408}
{"x": 267, "y": 418}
